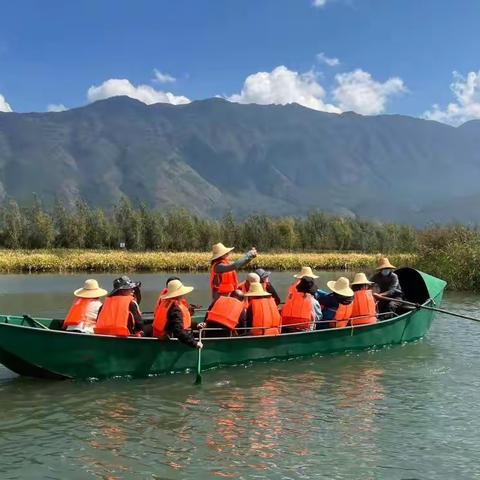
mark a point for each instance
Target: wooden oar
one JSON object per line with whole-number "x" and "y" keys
{"x": 425, "y": 307}
{"x": 198, "y": 379}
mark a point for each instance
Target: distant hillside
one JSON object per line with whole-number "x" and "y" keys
{"x": 212, "y": 155}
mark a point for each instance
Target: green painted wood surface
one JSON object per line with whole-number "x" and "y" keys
{"x": 53, "y": 353}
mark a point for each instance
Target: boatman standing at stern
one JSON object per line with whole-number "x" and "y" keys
{"x": 223, "y": 275}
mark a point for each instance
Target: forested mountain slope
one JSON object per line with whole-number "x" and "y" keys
{"x": 213, "y": 155}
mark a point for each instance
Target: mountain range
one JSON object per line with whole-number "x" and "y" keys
{"x": 213, "y": 155}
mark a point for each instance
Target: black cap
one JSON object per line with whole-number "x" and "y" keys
{"x": 124, "y": 283}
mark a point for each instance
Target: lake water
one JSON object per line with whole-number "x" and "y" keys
{"x": 408, "y": 412}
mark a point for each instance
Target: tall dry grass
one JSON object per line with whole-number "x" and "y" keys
{"x": 35, "y": 261}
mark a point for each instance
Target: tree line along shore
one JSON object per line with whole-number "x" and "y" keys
{"x": 34, "y": 238}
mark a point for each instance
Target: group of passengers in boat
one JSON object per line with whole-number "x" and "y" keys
{"x": 252, "y": 307}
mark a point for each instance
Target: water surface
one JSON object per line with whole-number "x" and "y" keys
{"x": 406, "y": 412}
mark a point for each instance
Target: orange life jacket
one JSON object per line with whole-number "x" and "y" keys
{"x": 77, "y": 315}
{"x": 159, "y": 300}
{"x": 223, "y": 283}
{"x": 114, "y": 316}
{"x": 298, "y": 311}
{"x": 364, "y": 306}
{"x": 266, "y": 319}
{"x": 342, "y": 316}
{"x": 226, "y": 311}
{"x": 292, "y": 289}
{"x": 161, "y": 317}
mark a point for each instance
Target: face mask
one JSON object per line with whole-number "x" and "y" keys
{"x": 385, "y": 273}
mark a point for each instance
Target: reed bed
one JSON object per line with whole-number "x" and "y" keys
{"x": 43, "y": 261}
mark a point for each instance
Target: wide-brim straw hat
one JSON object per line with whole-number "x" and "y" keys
{"x": 341, "y": 286}
{"x": 361, "y": 279}
{"x": 384, "y": 262}
{"x": 306, "y": 272}
{"x": 219, "y": 250}
{"x": 256, "y": 290}
{"x": 175, "y": 289}
{"x": 253, "y": 277}
{"x": 90, "y": 289}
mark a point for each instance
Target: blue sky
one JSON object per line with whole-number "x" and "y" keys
{"x": 394, "y": 56}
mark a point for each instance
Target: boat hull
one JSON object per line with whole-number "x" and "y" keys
{"x": 44, "y": 353}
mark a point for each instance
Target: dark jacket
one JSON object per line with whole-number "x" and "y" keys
{"x": 270, "y": 289}
{"x": 330, "y": 303}
{"x": 388, "y": 285}
{"x": 175, "y": 329}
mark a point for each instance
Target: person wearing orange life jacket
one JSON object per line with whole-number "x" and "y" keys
{"x": 226, "y": 313}
{"x": 336, "y": 306}
{"x": 250, "y": 278}
{"x": 302, "y": 311}
{"x": 267, "y": 285}
{"x": 172, "y": 318}
{"x": 120, "y": 313}
{"x": 263, "y": 317}
{"x": 223, "y": 275}
{"x": 191, "y": 307}
{"x": 83, "y": 313}
{"x": 364, "y": 310}
{"x": 304, "y": 272}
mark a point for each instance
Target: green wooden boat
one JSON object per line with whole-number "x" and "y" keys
{"x": 30, "y": 349}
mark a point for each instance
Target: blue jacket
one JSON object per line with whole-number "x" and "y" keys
{"x": 330, "y": 302}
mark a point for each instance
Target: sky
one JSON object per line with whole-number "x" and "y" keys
{"x": 411, "y": 57}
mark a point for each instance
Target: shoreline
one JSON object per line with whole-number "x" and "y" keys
{"x": 101, "y": 261}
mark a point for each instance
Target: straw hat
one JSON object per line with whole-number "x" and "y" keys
{"x": 175, "y": 288}
{"x": 361, "y": 279}
{"x": 219, "y": 250}
{"x": 306, "y": 272}
{"x": 256, "y": 290}
{"x": 341, "y": 286}
{"x": 253, "y": 278}
{"x": 384, "y": 263}
{"x": 90, "y": 289}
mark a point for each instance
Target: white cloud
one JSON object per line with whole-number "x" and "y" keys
{"x": 466, "y": 91}
{"x": 56, "y": 107}
{"x": 358, "y": 91}
{"x": 330, "y": 61}
{"x": 282, "y": 86}
{"x": 4, "y": 106}
{"x": 319, "y": 3}
{"x": 163, "y": 77}
{"x": 115, "y": 87}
